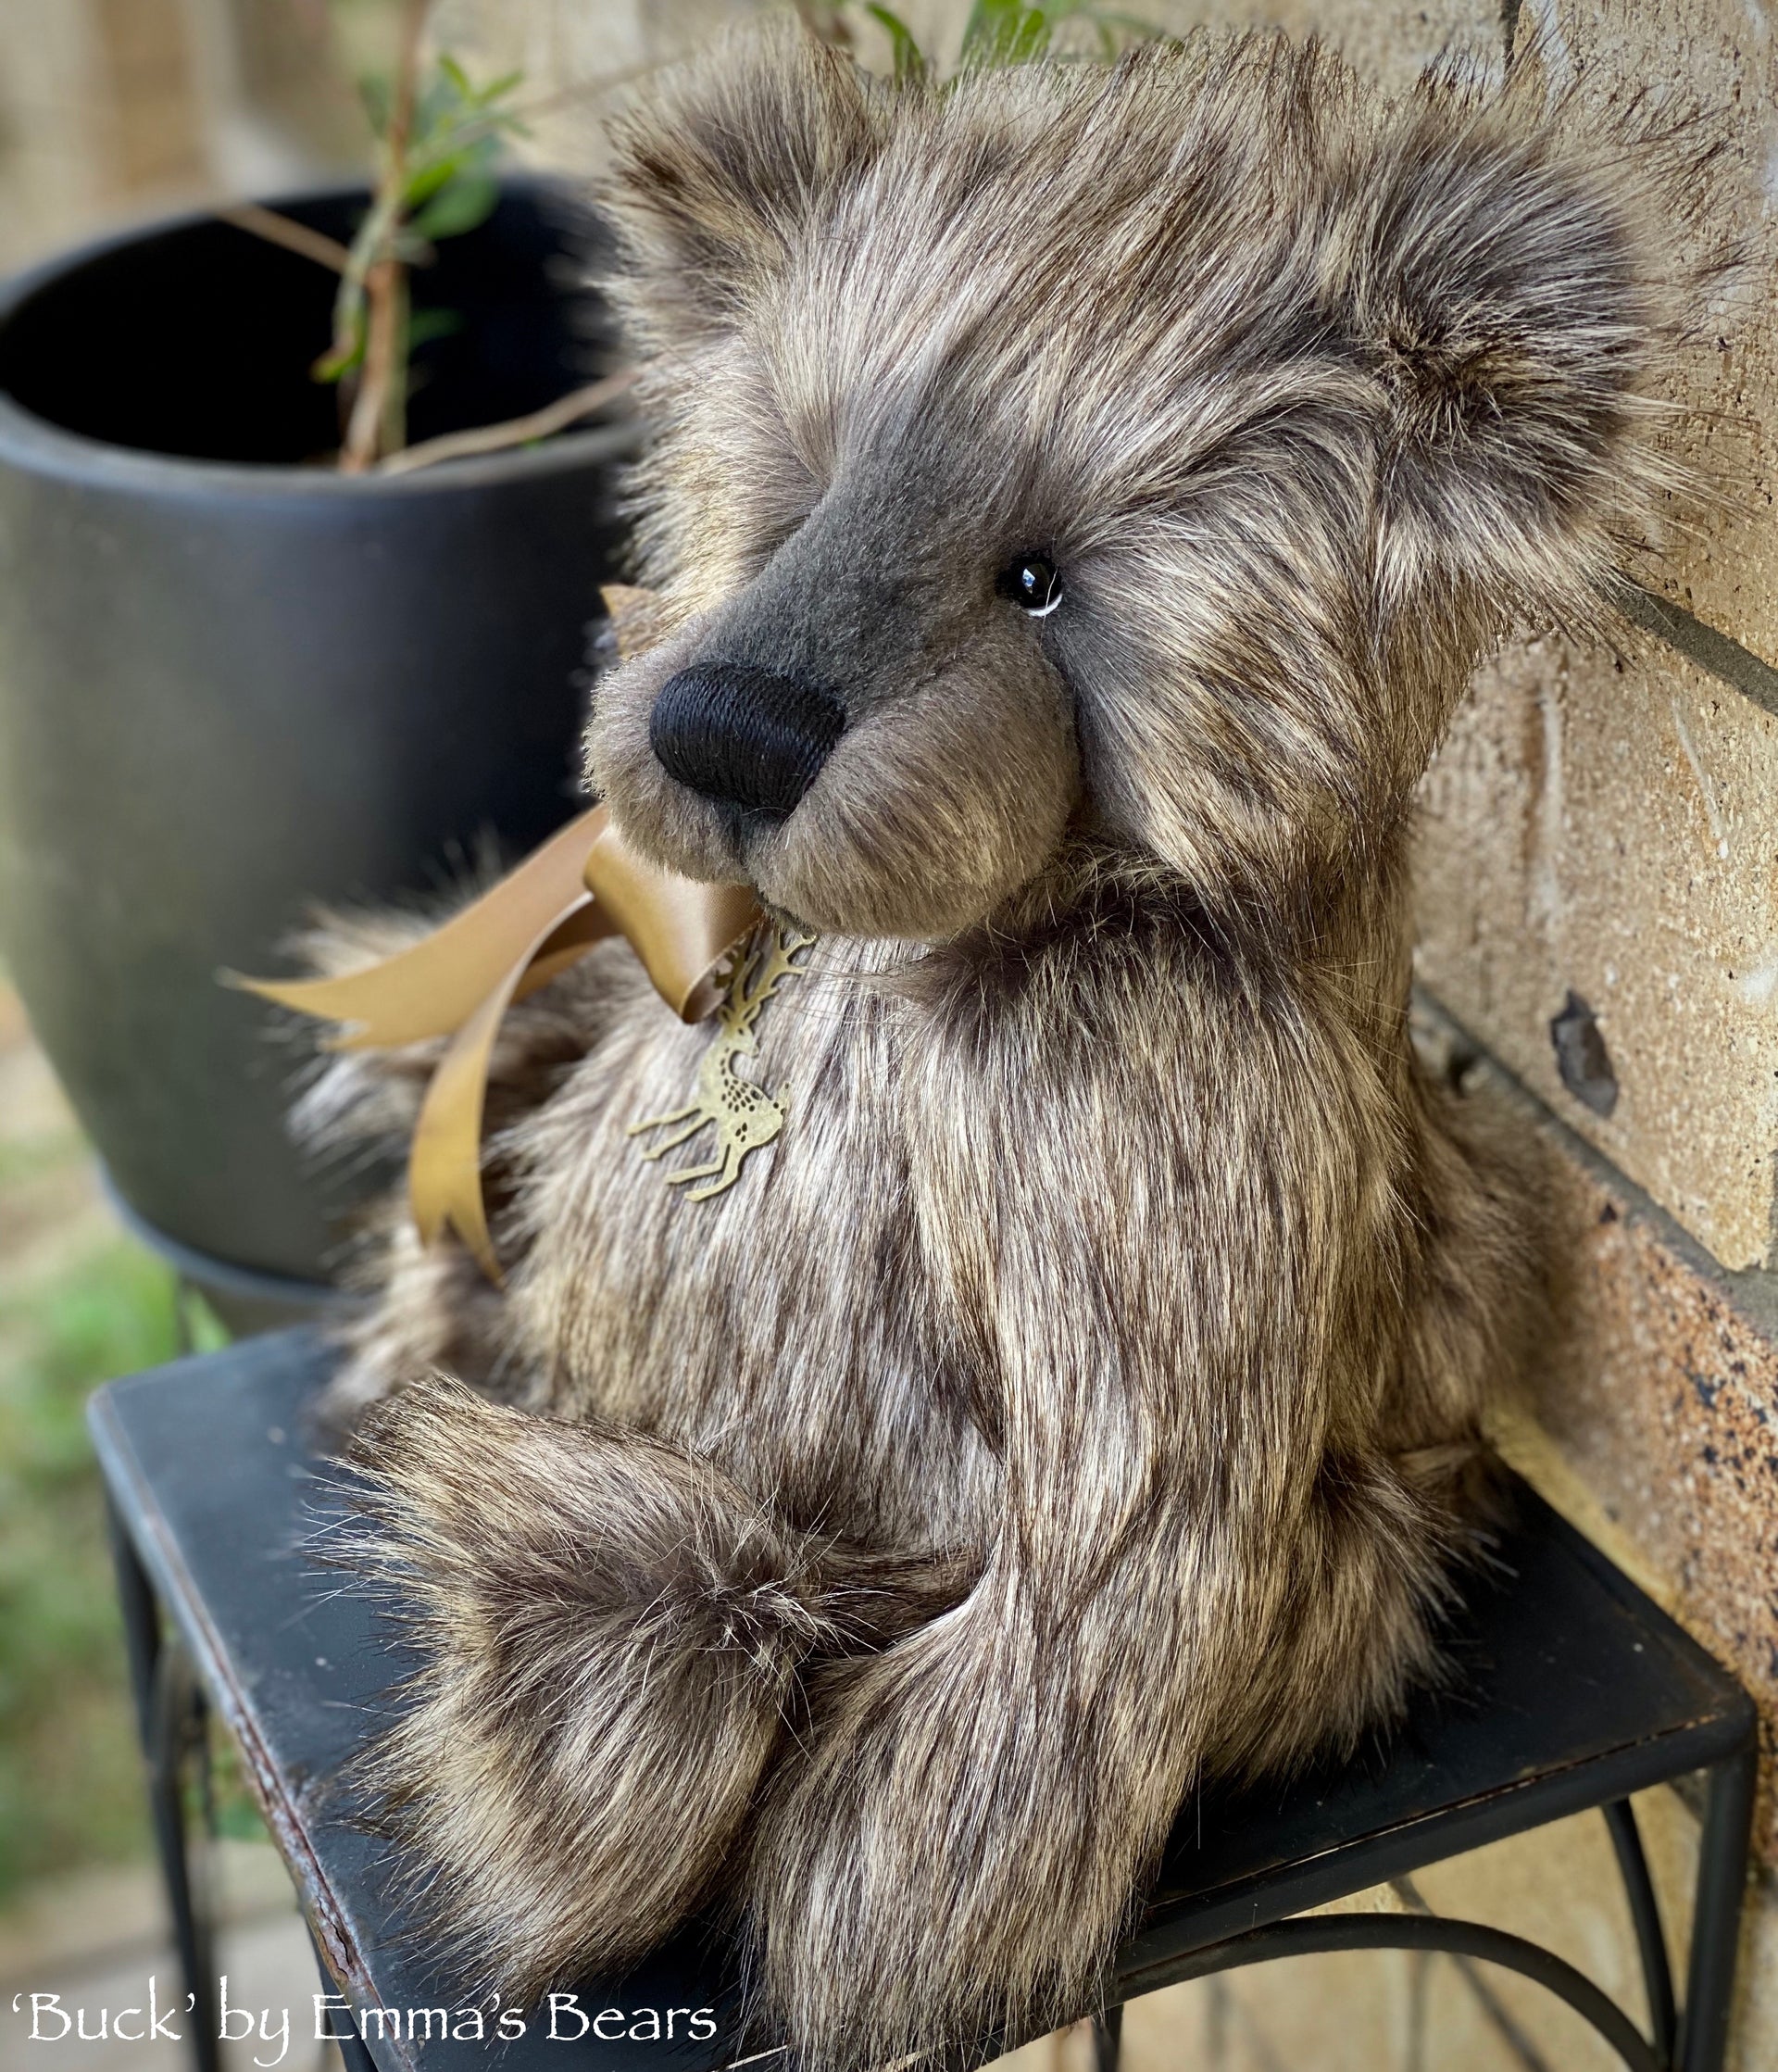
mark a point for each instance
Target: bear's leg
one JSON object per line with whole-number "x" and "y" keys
{"x": 612, "y": 1630}
{"x": 956, "y": 1857}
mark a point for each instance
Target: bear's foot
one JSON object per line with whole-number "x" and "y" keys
{"x": 612, "y": 1629}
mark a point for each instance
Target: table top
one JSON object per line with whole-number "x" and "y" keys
{"x": 1572, "y": 1689}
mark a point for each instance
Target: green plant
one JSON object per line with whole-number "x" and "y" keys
{"x": 437, "y": 144}
{"x": 1007, "y": 33}
{"x": 1010, "y": 32}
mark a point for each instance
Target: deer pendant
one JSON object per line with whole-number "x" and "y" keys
{"x": 747, "y": 1117}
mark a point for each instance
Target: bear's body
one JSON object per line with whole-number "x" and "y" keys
{"x": 1079, "y": 1395}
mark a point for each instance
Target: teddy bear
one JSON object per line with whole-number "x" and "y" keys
{"x": 1076, "y": 497}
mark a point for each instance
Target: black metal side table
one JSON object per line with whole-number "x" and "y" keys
{"x": 1576, "y": 1690}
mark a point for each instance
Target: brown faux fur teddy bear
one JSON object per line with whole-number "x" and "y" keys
{"x": 1077, "y": 501}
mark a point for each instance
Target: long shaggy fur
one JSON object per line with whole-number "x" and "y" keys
{"x": 1080, "y": 1398}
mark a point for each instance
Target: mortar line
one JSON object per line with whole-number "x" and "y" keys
{"x": 1751, "y": 1292}
{"x": 1713, "y": 651}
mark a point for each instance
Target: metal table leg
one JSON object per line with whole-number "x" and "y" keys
{"x": 1716, "y": 1921}
{"x": 354, "y": 2051}
{"x": 1645, "y": 1916}
{"x": 1108, "y": 2038}
{"x": 1307, "y": 1934}
{"x": 1697, "y": 2040}
{"x": 170, "y": 1720}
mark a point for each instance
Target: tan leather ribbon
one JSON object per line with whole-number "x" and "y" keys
{"x": 583, "y": 886}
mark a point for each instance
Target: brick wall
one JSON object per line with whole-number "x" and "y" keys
{"x": 1596, "y": 905}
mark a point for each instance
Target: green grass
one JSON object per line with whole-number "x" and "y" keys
{"x": 71, "y": 1780}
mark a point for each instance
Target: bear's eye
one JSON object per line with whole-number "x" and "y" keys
{"x": 1031, "y": 580}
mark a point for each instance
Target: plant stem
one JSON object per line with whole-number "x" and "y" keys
{"x": 380, "y": 404}
{"x": 367, "y": 425}
{"x": 515, "y": 432}
{"x": 293, "y": 236}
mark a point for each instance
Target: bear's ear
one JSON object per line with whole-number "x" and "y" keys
{"x": 717, "y": 169}
{"x": 1509, "y": 276}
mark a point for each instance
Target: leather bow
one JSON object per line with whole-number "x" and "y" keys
{"x": 583, "y": 886}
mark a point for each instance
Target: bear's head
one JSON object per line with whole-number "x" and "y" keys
{"x": 1139, "y": 455}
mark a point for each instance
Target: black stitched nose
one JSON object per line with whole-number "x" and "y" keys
{"x": 746, "y": 736}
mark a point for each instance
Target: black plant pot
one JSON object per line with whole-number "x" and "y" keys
{"x": 233, "y": 682}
